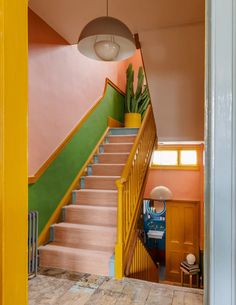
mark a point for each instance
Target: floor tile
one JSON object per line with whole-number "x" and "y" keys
{"x": 58, "y": 287}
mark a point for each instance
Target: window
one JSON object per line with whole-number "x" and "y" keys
{"x": 165, "y": 157}
{"x": 188, "y": 157}
{"x": 177, "y": 157}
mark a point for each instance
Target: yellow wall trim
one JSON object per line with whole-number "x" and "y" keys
{"x": 44, "y": 236}
{"x": 46, "y": 164}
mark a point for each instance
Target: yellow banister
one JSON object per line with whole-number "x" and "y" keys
{"x": 130, "y": 193}
{"x": 126, "y": 169}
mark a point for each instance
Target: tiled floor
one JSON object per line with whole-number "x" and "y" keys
{"x": 56, "y": 287}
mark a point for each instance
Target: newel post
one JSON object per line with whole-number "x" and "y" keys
{"x": 119, "y": 249}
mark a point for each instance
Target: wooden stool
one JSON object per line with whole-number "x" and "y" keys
{"x": 184, "y": 271}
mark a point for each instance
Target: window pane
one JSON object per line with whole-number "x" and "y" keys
{"x": 165, "y": 157}
{"x": 188, "y": 157}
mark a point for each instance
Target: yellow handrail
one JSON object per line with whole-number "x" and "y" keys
{"x": 148, "y": 115}
{"x": 130, "y": 190}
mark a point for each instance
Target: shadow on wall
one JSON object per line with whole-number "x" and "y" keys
{"x": 41, "y": 33}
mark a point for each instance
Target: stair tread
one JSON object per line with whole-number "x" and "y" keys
{"x": 123, "y": 131}
{"x": 121, "y": 143}
{"x": 123, "y": 128}
{"x": 64, "y": 247}
{"x": 114, "y": 153}
{"x": 108, "y": 164}
{"x": 84, "y": 227}
{"x": 87, "y": 247}
{"x": 96, "y": 190}
{"x": 101, "y": 177}
{"x": 89, "y": 207}
{"x": 121, "y": 135}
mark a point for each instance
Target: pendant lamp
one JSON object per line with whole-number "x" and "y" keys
{"x": 161, "y": 193}
{"x": 106, "y": 39}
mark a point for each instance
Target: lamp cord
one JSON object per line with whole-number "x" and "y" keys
{"x": 107, "y": 8}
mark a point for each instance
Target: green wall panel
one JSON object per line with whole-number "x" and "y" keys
{"x": 47, "y": 192}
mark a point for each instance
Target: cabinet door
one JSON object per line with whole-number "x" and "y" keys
{"x": 182, "y": 235}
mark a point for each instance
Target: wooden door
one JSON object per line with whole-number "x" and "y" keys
{"x": 182, "y": 235}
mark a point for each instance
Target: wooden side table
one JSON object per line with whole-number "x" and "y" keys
{"x": 184, "y": 271}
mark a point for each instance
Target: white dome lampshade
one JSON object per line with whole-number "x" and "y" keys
{"x": 106, "y": 39}
{"x": 161, "y": 193}
{"x": 106, "y": 49}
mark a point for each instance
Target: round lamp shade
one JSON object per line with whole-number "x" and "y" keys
{"x": 161, "y": 193}
{"x": 106, "y": 39}
{"x": 191, "y": 259}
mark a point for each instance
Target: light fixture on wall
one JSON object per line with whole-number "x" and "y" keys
{"x": 106, "y": 39}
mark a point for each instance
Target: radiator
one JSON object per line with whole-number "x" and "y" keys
{"x": 32, "y": 244}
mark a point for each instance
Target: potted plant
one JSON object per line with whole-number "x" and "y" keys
{"x": 135, "y": 102}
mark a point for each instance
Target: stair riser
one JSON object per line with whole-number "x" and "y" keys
{"x": 83, "y": 237}
{"x": 121, "y": 139}
{"x": 123, "y": 131}
{"x": 100, "y": 184}
{"x": 114, "y": 159}
{"x": 104, "y": 170}
{"x": 71, "y": 262}
{"x": 105, "y": 199}
{"x": 109, "y": 148}
{"x": 91, "y": 217}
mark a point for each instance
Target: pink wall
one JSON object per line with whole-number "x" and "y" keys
{"x": 174, "y": 61}
{"x": 63, "y": 86}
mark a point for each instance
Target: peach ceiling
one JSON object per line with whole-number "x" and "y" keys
{"x": 67, "y": 17}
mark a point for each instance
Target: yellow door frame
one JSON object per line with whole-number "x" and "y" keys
{"x": 13, "y": 152}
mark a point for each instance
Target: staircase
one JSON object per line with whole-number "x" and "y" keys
{"x": 85, "y": 240}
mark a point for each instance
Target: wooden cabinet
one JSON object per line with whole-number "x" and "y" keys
{"x": 182, "y": 235}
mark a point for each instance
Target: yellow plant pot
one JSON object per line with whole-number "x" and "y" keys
{"x": 132, "y": 120}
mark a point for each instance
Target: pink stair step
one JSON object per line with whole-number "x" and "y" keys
{"x": 95, "y": 197}
{"x": 99, "y": 248}
{"x": 82, "y": 235}
{"x": 94, "y": 215}
{"x": 101, "y": 182}
{"x": 118, "y": 147}
{"x": 75, "y": 259}
{"x": 113, "y": 158}
{"x": 121, "y": 138}
{"x": 107, "y": 169}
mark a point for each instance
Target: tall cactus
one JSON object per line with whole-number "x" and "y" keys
{"x": 129, "y": 88}
{"x": 136, "y": 102}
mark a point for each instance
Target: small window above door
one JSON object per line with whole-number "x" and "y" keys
{"x": 182, "y": 156}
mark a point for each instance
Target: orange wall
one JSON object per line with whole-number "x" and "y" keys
{"x": 184, "y": 184}
{"x": 63, "y": 86}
